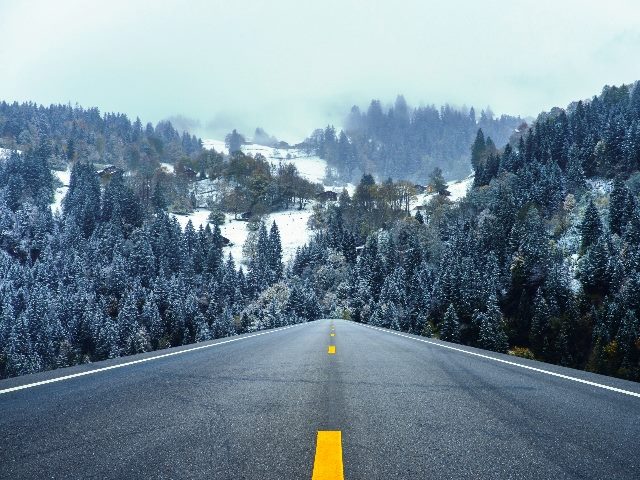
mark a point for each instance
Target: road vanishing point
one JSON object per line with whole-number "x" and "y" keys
{"x": 330, "y": 399}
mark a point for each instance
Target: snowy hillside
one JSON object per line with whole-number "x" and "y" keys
{"x": 310, "y": 167}
{"x": 291, "y": 223}
{"x": 457, "y": 188}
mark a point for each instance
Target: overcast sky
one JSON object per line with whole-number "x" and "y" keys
{"x": 292, "y": 65}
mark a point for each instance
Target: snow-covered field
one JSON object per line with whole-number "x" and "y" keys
{"x": 217, "y": 145}
{"x": 292, "y": 225}
{"x": 457, "y": 188}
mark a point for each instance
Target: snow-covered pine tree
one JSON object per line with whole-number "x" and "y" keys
{"x": 591, "y": 226}
{"x": 492, "y": 335}
{"x": 275, "y": 254}
{"x": 450, "y": 327}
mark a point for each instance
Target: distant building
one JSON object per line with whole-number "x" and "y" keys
{"x": 326, "y": 196}
{"x": 190, "y": 174}
{"x": 108, "y": 172}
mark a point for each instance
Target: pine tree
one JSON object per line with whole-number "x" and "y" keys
{"x": 576, "y": 180}
{"x": 595, "y": 268}
{"x": 234, "y": 141}
{"x": 492, "y": 335}
{"x": 260, "y": 273}
{"x": 619, "y": 209}
{"x": 108, "y": 343}
{"x": 21, "y": 358}
{"x": 437, "y": 183}
{"x": 128, "y": 326}
{"x": 539, "y": 323}
{"x": 450, "y": 328}
{"x": 478, "y": 150}
{"x": 152, "y": 321}
{"x": 591, "y": 226}
{"x": 629, "y": 340}
{"x": 142, "y": 261}
{"x": 275, "y": 254}
{"x": 203, "y": 332}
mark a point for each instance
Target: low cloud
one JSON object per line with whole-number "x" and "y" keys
{"x": 182, "y": 123}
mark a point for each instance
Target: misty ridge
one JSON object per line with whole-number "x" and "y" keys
{"x": 397, "y": 141}
{"x": 408, "y": 143}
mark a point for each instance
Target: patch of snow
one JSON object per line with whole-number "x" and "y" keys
{"x": 236, "y": 231}
{"x": 168, "y": 167}
{"x": 4, "y": 153}
{"x": 457, "y": 188}
{"x": 571, "y": 264}
{"x": 60, "y": 192}
{"x": 293, "y": 228}
{"x": 198, "y": 217}
{"x": 216, "y": 145}
{"x": 600, "y": 186}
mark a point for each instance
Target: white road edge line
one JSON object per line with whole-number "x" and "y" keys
{"x": 507, "y": 362}
{"x": 142, "y": 360}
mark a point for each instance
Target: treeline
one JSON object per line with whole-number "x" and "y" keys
{"x": 249, "y": 184}
{"x": 407, "y": 143}
{"x": 113, "y": 277}
{"x": 372, "y": 206}
{"x": 541, "y": 258}
{"x": 75, "y": 133}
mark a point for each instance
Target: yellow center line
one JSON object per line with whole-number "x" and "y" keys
{"x": 328, "y": 462}
{"x": 333, "y": 334}
{"x": 332, "y": 350}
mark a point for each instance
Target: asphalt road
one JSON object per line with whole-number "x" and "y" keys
{"x": 251, "y": 409}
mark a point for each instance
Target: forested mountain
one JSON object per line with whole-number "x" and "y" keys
{"x": 541, "y": 258}
{"x": 114, "y": 274}
{"x": 108, "y": 278}
{"x": 406, "y": 143}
